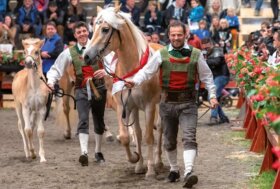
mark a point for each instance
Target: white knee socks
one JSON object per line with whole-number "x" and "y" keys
{"x": 172, "y": 159}
{"x": 83, "y": 138}
{"x": 98, "y": 141}
{"x": 189, "y": 157}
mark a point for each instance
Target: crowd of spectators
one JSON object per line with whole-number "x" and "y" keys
{"x": 215, "y": 19}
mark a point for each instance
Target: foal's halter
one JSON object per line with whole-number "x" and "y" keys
{"x": 36, "y": 61}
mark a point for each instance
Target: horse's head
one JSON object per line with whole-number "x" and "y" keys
{"x": 106, "y": 37}
{"x": 32, "y": 48}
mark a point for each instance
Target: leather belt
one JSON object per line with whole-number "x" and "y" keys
{"x": 177, "y": 96}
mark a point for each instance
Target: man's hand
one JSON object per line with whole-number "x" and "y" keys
{"x": 99, "y": 74}
{"x": 45, "y": 54}
{"x": 213, "y": 103}
{"x": 129, "y": 83}
{"x": 51, "y": 87}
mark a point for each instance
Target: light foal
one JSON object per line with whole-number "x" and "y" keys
{"x": 30, "y": 96}
{"x": 114, "y": 31}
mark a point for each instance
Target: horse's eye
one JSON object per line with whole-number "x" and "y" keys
{"x": 36, "y": 53}
{"x": 105, "y": 30}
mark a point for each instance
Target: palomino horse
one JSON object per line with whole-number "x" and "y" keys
{"x": 30, "y": 96}
{"x": 114, "y": 31}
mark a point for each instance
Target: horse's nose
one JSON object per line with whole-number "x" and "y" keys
{"x": 87, "y": 59}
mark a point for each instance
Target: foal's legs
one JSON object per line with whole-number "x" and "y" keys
{"x": 28, "y": 129}
{"x": 20, "y": 128}
{"x": 41, "y": 132}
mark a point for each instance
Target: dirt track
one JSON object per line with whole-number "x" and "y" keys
{"x": 217, "y": 166}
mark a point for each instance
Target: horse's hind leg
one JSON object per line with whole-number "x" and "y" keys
{"x": 158, "y": 151}
{"x": 41, "y": 133}
{"x": 139, "y": 169}
{"x": 66, "y": 110}
{"x": 27, "y": 114}
{"x": 149, "y": 136}
{"x": 20, "y": 128}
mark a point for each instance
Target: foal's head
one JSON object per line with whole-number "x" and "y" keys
{"x": 32, "y": 48}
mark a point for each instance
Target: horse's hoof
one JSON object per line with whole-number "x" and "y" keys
{"x": 110, "y": 138}
{"x": 159, "y": 166}
{"x": 67, "y": 136}
{"x": 140, "y": 169}
{"x": 43, "y": 160}
{"x": 150, "y": 176}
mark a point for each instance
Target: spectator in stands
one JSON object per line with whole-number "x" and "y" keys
{"x": 41, "y": 6}
{"x": 129, "y": 7}
{"x": 236, "y": 4}
{"x": 76, "y": 10}
{"x": 275, "y": 9}
{"x": 192, "y": 39}
{"x": 274, "y": 59}
{"x": 215, "y": 9}
{"x": 202, "y": 32}
{"x": 216, "y": 61}
{"x": 196, "y": 14}
{"x": 52, "y": 47}
{"x": 18, "y": 6}
{"x": 3, "y": 9}
{"x": 156, "y": 38}
{"x": 55, "y": 15}
{"x": 165, "y": 4}
{"x": 225, "y": 36}
{"x": 7, "y": 31}
{"x": 233, "y": 26}
{"x": 176, "y": 11}
{"x": 90, "y": 26}
{"x": 28, "y": 19}
{"x": 68, "y": 36}
{"x": 148, "y": 37}
{"x": 153, "y": 19}
{"x": 62, "y": 5}
{"x": 257, "y": 7}
{"x": 214, "y": 30}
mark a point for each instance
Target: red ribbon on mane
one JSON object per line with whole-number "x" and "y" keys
{"x": 143, "y": 62}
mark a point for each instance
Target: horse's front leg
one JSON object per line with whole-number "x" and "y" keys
{"x": 124, "y": 136}
{"x": 41, "y": 133}
{"x": 21, "y": 130}
{"x": 27, "y": 116}
{"x": 149, "y": 136}
{"x": 139, "y": 169}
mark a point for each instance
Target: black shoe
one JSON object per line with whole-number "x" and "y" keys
{"x": 224, "y": 120}
{"x": 83, "y": 160}
{"x": 173, "y": 176}
{"x": 213, "y": 121}
{"x": 190, "y": 180}
{"x": 99, "y": 157}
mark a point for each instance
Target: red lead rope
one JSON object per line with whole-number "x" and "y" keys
{"x": 143, "y": 62}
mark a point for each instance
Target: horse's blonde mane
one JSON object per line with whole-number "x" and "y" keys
{"x": 116, "y": 20}
{"x": 32, "y": 41}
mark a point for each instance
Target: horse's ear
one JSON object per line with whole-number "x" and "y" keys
{"x": 23, "y": 42}
{"x": 41, "y": 42}
{"x": 117, "y": 8}
{"x": 99, "y": 9}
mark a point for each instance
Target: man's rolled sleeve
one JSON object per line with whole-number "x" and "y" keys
{"x": 206, "y": 76}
